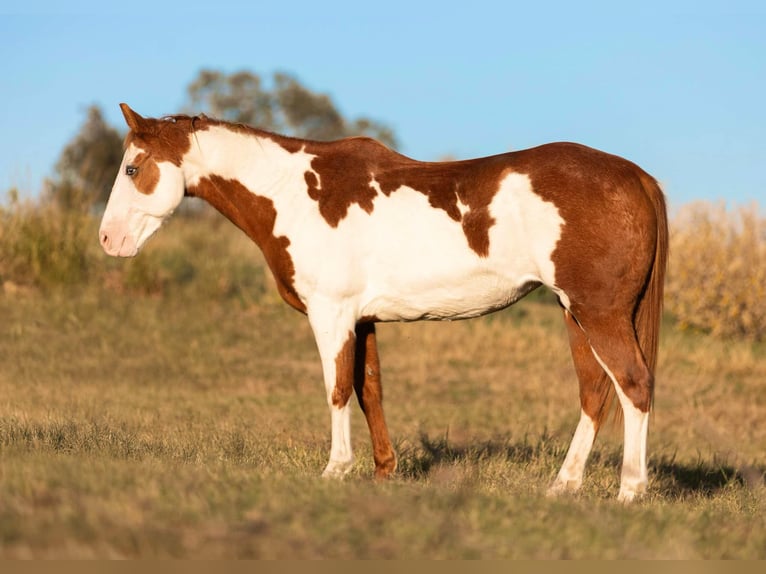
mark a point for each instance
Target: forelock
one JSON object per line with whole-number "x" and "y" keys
{"x": 166, "y": 139}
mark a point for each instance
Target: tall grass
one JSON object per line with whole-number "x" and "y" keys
{"x": 717, "y": 278}
{"x": 44, "y": 244}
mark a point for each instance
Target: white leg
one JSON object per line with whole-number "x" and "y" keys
{"x": 335, "y": 340}
{"x": 635, "y": 476}
{"x": 570, "y": 476}
{"x": 341, "y": 455}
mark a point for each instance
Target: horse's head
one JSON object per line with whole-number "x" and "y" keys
{"x": 150, "y": 183}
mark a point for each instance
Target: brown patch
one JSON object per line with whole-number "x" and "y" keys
{"x": 255, "y": 215}
{"x": 344, "y": 372}
{"x": 341, "y": 183}
{"x": 148, "y": 175}
{"x": 166, "y": 139}
{"x": 476, "y": 224}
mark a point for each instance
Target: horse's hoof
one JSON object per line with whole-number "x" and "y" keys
{"x": 337, "y": 469}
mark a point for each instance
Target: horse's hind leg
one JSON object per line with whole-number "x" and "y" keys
{"x": 613, "y": 341}
{"x": 594, "y": 398}
{"x": 369, "y": 392}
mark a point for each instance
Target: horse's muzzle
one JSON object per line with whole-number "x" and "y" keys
{"x": 116, "y": 242}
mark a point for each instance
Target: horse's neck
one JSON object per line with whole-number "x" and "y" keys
{"x": 248, "y": 178}
{"x": 256, "y": 160}
{"x": 243, "y": 175}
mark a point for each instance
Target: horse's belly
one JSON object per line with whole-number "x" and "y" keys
{"x": 460, "y": 297}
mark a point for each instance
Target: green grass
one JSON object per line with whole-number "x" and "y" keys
{"x": 178, "y": 412}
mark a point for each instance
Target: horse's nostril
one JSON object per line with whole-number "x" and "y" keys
{"x": 104, "y": 239}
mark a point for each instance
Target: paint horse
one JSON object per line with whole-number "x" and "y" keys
{"x": 356, "y": 234}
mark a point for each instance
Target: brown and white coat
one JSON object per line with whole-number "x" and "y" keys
{"x": 355, "y": 234}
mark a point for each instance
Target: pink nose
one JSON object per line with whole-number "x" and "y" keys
{"x": 116, "y": 241}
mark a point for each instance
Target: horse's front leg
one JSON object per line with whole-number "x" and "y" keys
{"x": 336, "y": 342}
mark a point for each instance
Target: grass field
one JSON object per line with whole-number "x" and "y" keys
{"x": 174, "y": 425}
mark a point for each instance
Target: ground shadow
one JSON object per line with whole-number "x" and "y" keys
{"x": 704, "y": 477}
{"x": 670, "y": 477}
{"x": 418, "y": 460}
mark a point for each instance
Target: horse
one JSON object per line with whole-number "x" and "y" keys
{"x": 355, "y": 233}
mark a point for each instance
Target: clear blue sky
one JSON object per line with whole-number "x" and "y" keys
{"x": 678, "y": 87}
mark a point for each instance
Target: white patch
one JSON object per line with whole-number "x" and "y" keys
{"x": 131, "y": 217}
{"x": 447, "y": 279}
{"x": 635, "y": 477}
{"x": 375, "y": 184}
{"x": 570, "y": 476}
{"x": 259, "y": 163}
{"x": 526, "y": 229}
{"x": 462, "y": 208}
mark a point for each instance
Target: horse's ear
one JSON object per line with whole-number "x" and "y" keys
{"x": 135, "y": 121}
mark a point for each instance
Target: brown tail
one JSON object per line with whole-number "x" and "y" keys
{"x": 649, "y": 311}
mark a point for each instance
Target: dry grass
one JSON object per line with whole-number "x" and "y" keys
{"x": 717, "y": 279}
{"x": 43, "y": 244}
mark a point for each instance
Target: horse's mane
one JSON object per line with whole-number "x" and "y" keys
{"x": 203, "y": 121}
{"x": 200, "y": 121}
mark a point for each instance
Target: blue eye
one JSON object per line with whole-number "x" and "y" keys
{"x": 131, "y": 170}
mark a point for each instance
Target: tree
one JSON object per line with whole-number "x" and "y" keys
{"x": 287, "y": 107}
{"x": 238, "y": 98}
{"x": 88, "y": 164}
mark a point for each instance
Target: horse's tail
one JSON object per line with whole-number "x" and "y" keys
{"x": 648, "y": 314}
